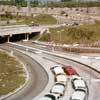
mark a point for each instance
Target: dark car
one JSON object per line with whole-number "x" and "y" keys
{"x": 75, "y": 24}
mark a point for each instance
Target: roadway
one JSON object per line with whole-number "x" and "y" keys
{"x": 22, "y": 29}
{"x": 34, "y": 86}
{"x": 85, "y": 72}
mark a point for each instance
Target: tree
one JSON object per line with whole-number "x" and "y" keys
{"x": 19, "y": 2}
{"x": 65, "y": 0}
{"x": 36, "y": 2}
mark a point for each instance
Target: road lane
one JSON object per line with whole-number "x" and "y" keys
{"x": 37, "y": 82}
{"x": 85, "y": 72}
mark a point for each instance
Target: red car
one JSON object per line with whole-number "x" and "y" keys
{"x": 69, "y": 70}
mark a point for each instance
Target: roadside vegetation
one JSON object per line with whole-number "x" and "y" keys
{"x": 81, "y": 34}
{"x": 45, "y": 19}
{"x": 64, "y": 3}
{"x": 12, "y": 75}
{"x": 40, "y": 19}
{"x": 74, "y": 4}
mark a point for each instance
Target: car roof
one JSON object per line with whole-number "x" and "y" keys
{"x": 58, "y": 88}
{"x": 58, "y": 70}
{"x": 69, "y": 70}
{"x": 78, "y": 95}
{"x": 80, "y": 83}
{"x": 61, "y": 77}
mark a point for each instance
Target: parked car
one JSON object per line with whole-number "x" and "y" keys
{"x": 78, "y": 95}
{"x": 69, "y": 70}
{"x": 57, "y": 70}
{"x": 79, "y": 84}
{"x": 58, "y": 88}
{"x": 61, "y": 78}
{"x": 49, "y": 97}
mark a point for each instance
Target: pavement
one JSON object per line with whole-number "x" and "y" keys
{"x": 90, "y": 60}
{"x": 46, "y": 65}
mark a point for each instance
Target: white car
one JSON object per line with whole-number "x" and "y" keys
{"x": 61, "y": 78}
{"x": 78, "y": 95}
{"x": 58, "y": 88}
{"x": 37, "y": 52}
{"x": 79, "y": 84}
{"x": 57, "y": 70}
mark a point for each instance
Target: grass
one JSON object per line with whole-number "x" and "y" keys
{"x": 45, "y": 19}
{"x": 61, "y": 34}
{"x": 40, "y": 19}
{"x": 12, "y": 75}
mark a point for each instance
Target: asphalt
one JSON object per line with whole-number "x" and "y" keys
{"x": 71, "y": 56}
{"x": 38, "y": 79}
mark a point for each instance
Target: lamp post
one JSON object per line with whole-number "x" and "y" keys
{"x": 59, "y": 33}
{"x": 60, "y": 37}
{"x": 50, "y": 40}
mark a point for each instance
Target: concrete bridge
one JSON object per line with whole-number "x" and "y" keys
{"x": 9, "y": 31}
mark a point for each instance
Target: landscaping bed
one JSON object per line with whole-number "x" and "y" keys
{"x": 12, "y": 75}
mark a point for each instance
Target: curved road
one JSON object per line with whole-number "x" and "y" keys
{"x": 36, "y": 82}
{"x": 88, "y": 74}
{"x": 85, "y": 72}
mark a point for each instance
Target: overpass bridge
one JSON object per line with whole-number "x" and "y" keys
{"x": 9, "y": 31}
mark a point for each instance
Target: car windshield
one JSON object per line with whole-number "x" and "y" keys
{"x": 76, "y": 77}
{"x": 58, "y": 89}
{"x": 78, "y": 95}
{"x": 50, "y": 96}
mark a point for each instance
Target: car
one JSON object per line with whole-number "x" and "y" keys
{"x": 69, "y": 70}
{"x": 78, "y": 95}
{"x": 57, "y": 70}
{"x": 37, "y": 52}
{"x": 33, "y": 24}
{"x": 79, "y": 84}
{"x": 58, "y": 88}
{"x": 61, "y": 78}
{"x": 75, "y": 24}
{"x": 49, "y": 97}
